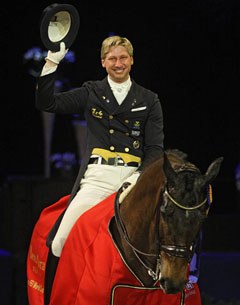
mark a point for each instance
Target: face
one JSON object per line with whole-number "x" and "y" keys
{"x": 118, "y": 64}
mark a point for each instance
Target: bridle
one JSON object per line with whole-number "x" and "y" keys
{"x": 172, "y": 250}
{"x": 194, "y": 207}
{"x": 182, "y": 251}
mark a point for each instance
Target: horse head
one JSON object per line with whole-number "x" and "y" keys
{"x": 157, "y": 226}
{"x": 187, "y": 196}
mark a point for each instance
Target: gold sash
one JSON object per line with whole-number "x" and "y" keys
{"x": 106, "y": 154}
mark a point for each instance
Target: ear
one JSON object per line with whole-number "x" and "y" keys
{"x": 213, "y": 170}
{"x": 103, "y": 63}
{"x": 168, "y": 170}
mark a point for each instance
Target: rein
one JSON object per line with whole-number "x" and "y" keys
{"x": 121, "y": 226}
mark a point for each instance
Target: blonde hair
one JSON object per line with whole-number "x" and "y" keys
{"x": 113, "y": 41}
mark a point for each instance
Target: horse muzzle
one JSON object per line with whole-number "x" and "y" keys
{"x": 169, "y": 286}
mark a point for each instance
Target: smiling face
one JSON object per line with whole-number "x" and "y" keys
{"x": 118, "y": 63}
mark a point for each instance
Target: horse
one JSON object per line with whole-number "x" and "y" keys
{"x": 134, "y": 252}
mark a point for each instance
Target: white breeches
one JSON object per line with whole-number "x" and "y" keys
{"x": 99, "y": 182}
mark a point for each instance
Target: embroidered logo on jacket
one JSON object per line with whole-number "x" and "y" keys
{"x": 135, "y": 133}
{"x": 136, "y": 125}
{"x": 97, "y": 113}
{"x": 136, "y": 128}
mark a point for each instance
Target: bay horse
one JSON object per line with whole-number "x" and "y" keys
{"x": 131, "y": 253}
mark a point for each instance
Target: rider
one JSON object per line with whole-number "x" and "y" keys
{"x": 124, "y": 129}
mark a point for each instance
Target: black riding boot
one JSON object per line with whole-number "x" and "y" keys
{"x": 51, "y": 267}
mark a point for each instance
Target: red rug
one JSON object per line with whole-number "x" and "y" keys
{"x": 91, "y": 270}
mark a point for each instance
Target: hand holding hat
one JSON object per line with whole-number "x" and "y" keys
{"x": 56, "y": 57}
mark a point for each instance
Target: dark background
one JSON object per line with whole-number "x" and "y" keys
{"x": 186, "y": 51}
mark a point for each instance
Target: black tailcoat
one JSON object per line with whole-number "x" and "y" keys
{"x": 134, "y": 127}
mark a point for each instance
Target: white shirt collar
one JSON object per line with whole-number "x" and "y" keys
{"x": 120, "y": 91}
{"x": 124, "y": 86}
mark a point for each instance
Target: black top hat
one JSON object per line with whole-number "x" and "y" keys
{"x": 59, "y": 22}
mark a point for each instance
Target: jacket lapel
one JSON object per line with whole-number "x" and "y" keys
{"x": 105, "y": 95}
{"x": 109, "y": 102}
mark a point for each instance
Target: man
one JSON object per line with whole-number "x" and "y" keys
{"x": 124, "y": 129}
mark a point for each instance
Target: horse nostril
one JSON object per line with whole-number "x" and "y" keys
{"x": 168, "y": 286}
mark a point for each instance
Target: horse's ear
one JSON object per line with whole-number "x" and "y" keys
{"x": 178, "y": 153}
{"x": 168, "y": 170}
{"x": 213, "y": 170}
